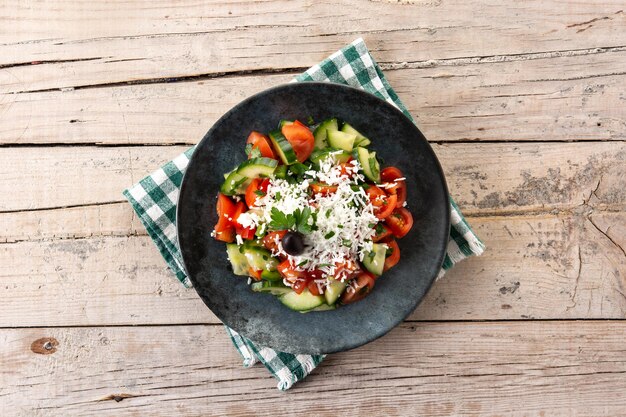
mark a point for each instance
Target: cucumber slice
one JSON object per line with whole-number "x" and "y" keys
{"x": 259, "y": 258}
{"x": 235, "y": 183}
{"x": 283, "y": 147}
{"x": 360, "y": 139}
{"x": 339, "y": 156}
{"x": 275, "y": 288}
{"x": 302, "y": 302}
{"x": 284, "y": 122}
{"x": 321, "y": 132}
{"x": 333, "y": 290}
{"x": 237, "y": 259}
{"x": 368, "y": 162}
{"x": 257, "y": 167}
{"x": 281, "y": 172}
{"x": 323, "y": 307}
{"x": 375, "y": 260}
{"x": 341, "y": 140}
{"x": 271, "y": 275}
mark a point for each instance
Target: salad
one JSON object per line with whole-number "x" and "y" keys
{"x": 310, "y": 217}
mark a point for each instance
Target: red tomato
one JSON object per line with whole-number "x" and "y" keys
{"x": 264, "y": 184}
{"x": 346, "y": 169}
{"x": 389, "y": 175}
{"x": 240, "y": 208}
{"x": 299, "y": 123}
{"x": 246, "y": 232}
{"x": 347, "y": 269}
{"x": 323, "y": 189}
{"x": 313, "y": 288}
{"x": 382, "y": 232}
{"x": 400, "y": 222}
{"x": 224, "y": 230}
{"x": 394, "y": 257}
{"x": 227, "y": 235}
{"x": 262, "y": 143}
{"x": 359, "y": 288}
{"x": 255, "y": 273}
{"x": 384, "y": 204}
{"x": 299, "y": 285}
{"x": 270, "y": 241}
{"x": 251, "y": 192}
{"x": 300, "y": 138}
{"x": 289, "y": 272}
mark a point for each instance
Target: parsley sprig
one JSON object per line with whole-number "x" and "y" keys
{"x": 298, "y": 220}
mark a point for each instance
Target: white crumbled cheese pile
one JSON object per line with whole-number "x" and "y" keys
{"x": 345, "y": 218}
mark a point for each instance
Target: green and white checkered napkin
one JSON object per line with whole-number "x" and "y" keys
{"x": 154, "y": 200}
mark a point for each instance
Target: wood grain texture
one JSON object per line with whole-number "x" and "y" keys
{"x": 157, "y": 40}
{"x": 542, "y": 267}
{"x": 435, "y": 369}
{"x": 484, "y": 178}
{"x": 507, "y": 100}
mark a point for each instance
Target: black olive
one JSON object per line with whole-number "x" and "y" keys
{"x": 293, "y": 243}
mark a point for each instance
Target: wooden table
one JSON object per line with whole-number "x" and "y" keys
{"x": 524, "y": 102}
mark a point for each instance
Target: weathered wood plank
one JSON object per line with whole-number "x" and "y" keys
{"x": 483, "y": 178}
{"x": 544, "y": 267}
{"x": 494, "y": 100}
{"x": 434, "y": 369}
{"x": 156, "y": 40}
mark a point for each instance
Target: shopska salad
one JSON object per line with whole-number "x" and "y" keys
{"x": 310, "y": 217}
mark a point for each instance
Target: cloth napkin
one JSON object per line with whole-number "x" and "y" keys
{"x": 154, "y": 200}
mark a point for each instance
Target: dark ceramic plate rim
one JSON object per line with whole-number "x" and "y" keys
{"x": 444, "y": 186}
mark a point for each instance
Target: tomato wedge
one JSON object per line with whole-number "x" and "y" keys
{"x": 262, "y": 143}
{"x": 300, "y": 138}
{"x": 240, "y": 208}
{"x": 390, "y": 175}
{"x": 246, "y": 232}
{"x": 314, "y": 289}
{"x": 252, "y": 192}
{"x": 299, "y": 285}
{"x": 382, "y": 232}
{"x": 254, "y": 273}
{"x": 400, "y": 222}
{"x": 384, "y": 204}
{"x": 394, "y": 257}
{"x": 224, "y": 230}
{"x": 264, "y": 184}
{"x": 270, "y": 241}
{"x": 323, "y": 189}
{"x": 359, "y": 288}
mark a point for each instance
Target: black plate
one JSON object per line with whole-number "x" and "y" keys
{"x": 261, "y": 317}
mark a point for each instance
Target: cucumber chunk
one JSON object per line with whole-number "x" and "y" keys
{"x": 333, "y": 290}
{"x": 259, "y": 258}
{"x": 281, "y": 172}
{"x": 321, "y": 132}
{"x": 237, "y": 259}
{"x": 257, "y": 167}
{"x": 271, "y": 275}
{"x": 339, "y": 156}
{"x": 283, "y": 147}
{"x": 360, "y": 139}
{"x": 323, "y": 307}
{"x": 302, "y": 302}
{"x": 275, "y": 288}
{"x": 235, "y": 183}
{"x": 375, "y": 260}
{"x": 368, "y": 162}
{"x": 341, "y": 140}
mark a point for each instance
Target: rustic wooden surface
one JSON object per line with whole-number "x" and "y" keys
{"x": 524, "y": 102}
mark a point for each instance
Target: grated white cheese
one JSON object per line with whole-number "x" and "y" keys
{"x": 344, "y": 218}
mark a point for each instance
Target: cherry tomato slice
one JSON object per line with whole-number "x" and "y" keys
{"x": 270, "y": 241}
{"x": 323, "y": 189}
{"x": 389, "y": 175}
{"x": 400, "y": 222}
{"x": 313, "y": 288}
{"x": 394, "y": 257}
{"x": 359, "y": 288}
{"x": 382, "y": 232}
{"x": 300, "y": 138}
{"x": 251, "y": 192}
{"x": 262, "y": 143}
{"x": 384, "y": 204}
{"x": 225, "y": 211}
